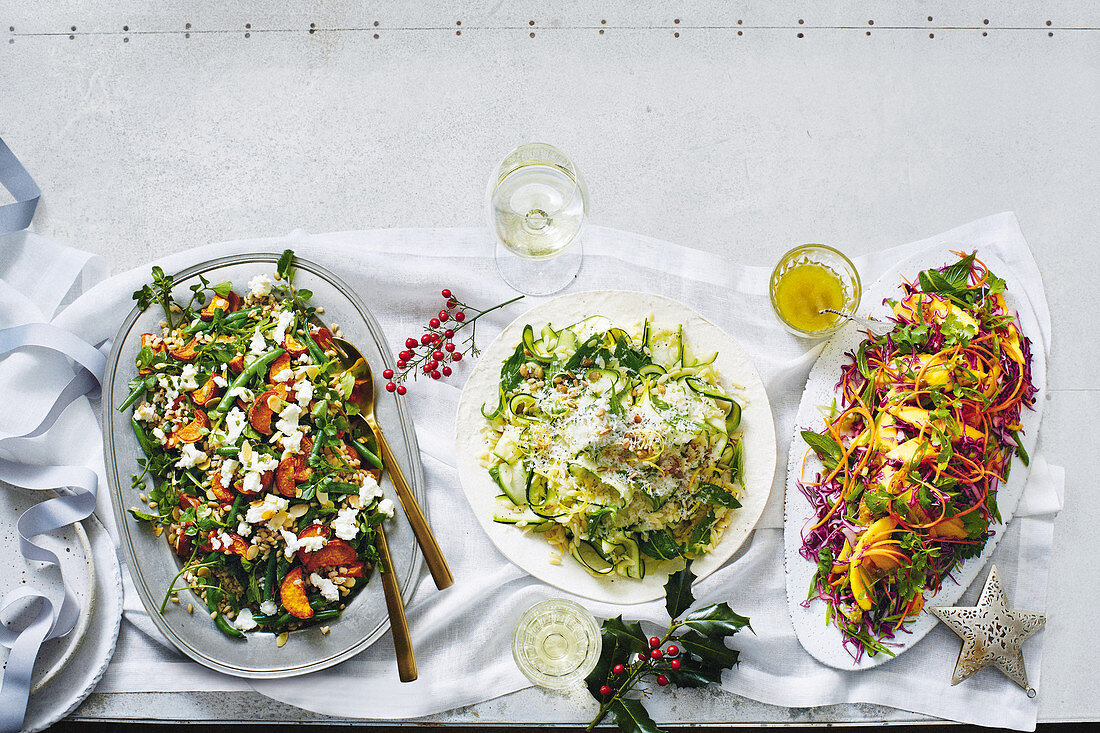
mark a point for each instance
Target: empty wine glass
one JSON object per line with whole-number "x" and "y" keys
{"x": 538, "y": 205}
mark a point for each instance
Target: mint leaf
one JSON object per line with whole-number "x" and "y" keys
{"x": 718, "y": 496}
{"x": 660, "y": 545}
{"x": 678, "y": 595}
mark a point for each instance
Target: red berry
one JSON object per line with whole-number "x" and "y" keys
{"x": 387, "y": 373}
{"x": 426, "y": 339}
{"x": 656, "y": 654}
{"x": 434, "y": 323}
{"x": 430, "y": 365}
{"x": 435, "y": 338}
{"x": 444, "y": 315}
{"x": 662, "y": 680}
{"x": 435, "y": 374}
{"x": 449, "y": 333}
{"x": 618, "y": 669}
{"x": 457, "y": 356}
{"x": 605, "y": 690}
{"x": 654, "y": 642}
{"x": 675, "y": 664}
{"x": 449, "y": 346}
{"x": 437, "y": 355}
{"x": 401, "y": 389}
{"x": 410, "y": 343}
{"x": 401, "y": 363}
{"x": 451, "y": 303}
{"x": 391, "y": 387}
{"x": 446, "y": 371}
{"x": 672, "y": 650}
{"x": 406, "y": 355}
{"x": 446, "y": 293}
{"x": 460, "y": 316}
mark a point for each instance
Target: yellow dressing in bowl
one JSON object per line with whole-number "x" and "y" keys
{"x": 803, "y": 291}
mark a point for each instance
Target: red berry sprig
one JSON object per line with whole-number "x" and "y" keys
{"x": 434, "y": 352}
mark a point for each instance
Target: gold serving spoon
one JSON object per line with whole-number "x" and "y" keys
{"x": 876, "y": 327}
{"x": 395, "y": 606}
{"x": 433, "y": 555}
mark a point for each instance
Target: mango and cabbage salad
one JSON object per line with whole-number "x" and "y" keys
{"x": 927, "y": 424}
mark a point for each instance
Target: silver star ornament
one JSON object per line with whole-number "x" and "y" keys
{"x": 992, "y": 633}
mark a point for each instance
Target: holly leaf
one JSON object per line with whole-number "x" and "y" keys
{"x": 712, "y": 651}
{"x": 631, "y": 716}
{"x": 716, "y": 620}
{"x": 630, "y": 634}
{"x": 678, "y": 591}
{"x": 612, "y": 650}
{"x": 693, "y": 673}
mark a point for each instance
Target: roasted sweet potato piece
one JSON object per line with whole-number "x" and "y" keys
{"x": 336, "y": 552}
{"x": 238, "y": 547}
{"x": 236, "y": 364}
{"x": 189, "y": 502}
{"x": 259, "y": 414}
{"x": 303, "y": 471}
{"x": 184, "y": 542}
{"x": 192, "y": 432}
{"x": 187, "y": 351}
{"x": 355, "y": 570}
{"x": 292, "y": 593}
{"x": 207, "y": 392}
{"x": 265, "y": 481}
{"x": 224, "y": 492}
{"x": 293, "y": 346}
{"x": 323, "y": 337}
{"x": 216, "y": 303}
{"x": 285, "y": 482}
{"x": 277, "y": 366}
{"x": 314, "y": 530}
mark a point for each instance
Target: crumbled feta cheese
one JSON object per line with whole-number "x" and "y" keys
{"x": 386, "y": 507}
{"x": 188, "y": 379}
{"x": 303, "y": 393}
{"x": 244, "y": 620}
{"x": 220, "y": 381}
{"x": 263, "y": 510}
{"x": 244, "y": 529}
{"x": 260, "y": 285}
{"x": 288, "y": 419}
{"x": 256, "y": 462}
{"x": 221, "y": 541}
{"x": 190, "y": 456}
{"x": 252, "y": 483}
{"x": 145, "y": 412}
{"x": 160, "y": 436}
{"x": 234, "y": 424}
{"x": 346, "y": 524}
{"x": 326, "y": 587}
{"x": 291, "y": 442}
{"x": 370, "y": 490}
{"x": 229, "y": 467}
{"x": 283, "y": 321}
{"x": 258, "y": 344}
{"x": 268, "y": 608}
{"x": 284, "y": 375}
{"x": 293, "y": 543}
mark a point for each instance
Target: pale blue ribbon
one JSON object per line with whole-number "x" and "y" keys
{"x": 76, "y": 485}
{"x": 14, "y": 177}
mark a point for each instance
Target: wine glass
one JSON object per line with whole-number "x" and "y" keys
{"x": 538, "y": 205}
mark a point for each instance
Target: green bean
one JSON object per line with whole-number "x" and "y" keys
{"x": 283, "y": 620}
{"x": 315, "y": 452}
{"x": 326, "y": 615}
{"x": 142, "y": 438}
{"x": 222, "y": 622}
{"x": 199, "y": 327}
{"x": 234, "y": 510}
{"x": 339, "y": 487}
{"x": 365, "y": 453}
{"x": 137, "y": 392}
{"x": 319, "y": 357}
{"x": 242, "y": 379}
{"x": 232, "y": 452}
{"x": 269, "y": 578}
{"x": 318, "y": 602}
{"x": 239, "y": 315}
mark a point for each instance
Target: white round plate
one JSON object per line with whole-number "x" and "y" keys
{"x": 626, "y": 309}
{"x": 824, "y": 642}
{"x": 68, "y": 668}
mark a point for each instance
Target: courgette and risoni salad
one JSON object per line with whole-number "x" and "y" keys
{"x": 260, "y": 479}
{"x": 615, "y": 445}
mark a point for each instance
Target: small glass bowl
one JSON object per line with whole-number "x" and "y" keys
{"x": 832, "y": 260}
{"x": 556, "y": 643}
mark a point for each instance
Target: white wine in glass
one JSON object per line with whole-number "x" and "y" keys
{"x": 537, "y": 208}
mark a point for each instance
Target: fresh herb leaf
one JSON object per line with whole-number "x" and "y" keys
{"x": 718, "y": 496}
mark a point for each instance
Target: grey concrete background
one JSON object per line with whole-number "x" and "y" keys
{"x": 734, "y": 127}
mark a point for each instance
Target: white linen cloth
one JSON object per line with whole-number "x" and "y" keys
{"x": 462, "y": 635}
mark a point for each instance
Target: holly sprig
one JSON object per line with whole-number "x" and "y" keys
{"x": 695, "y": 655}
